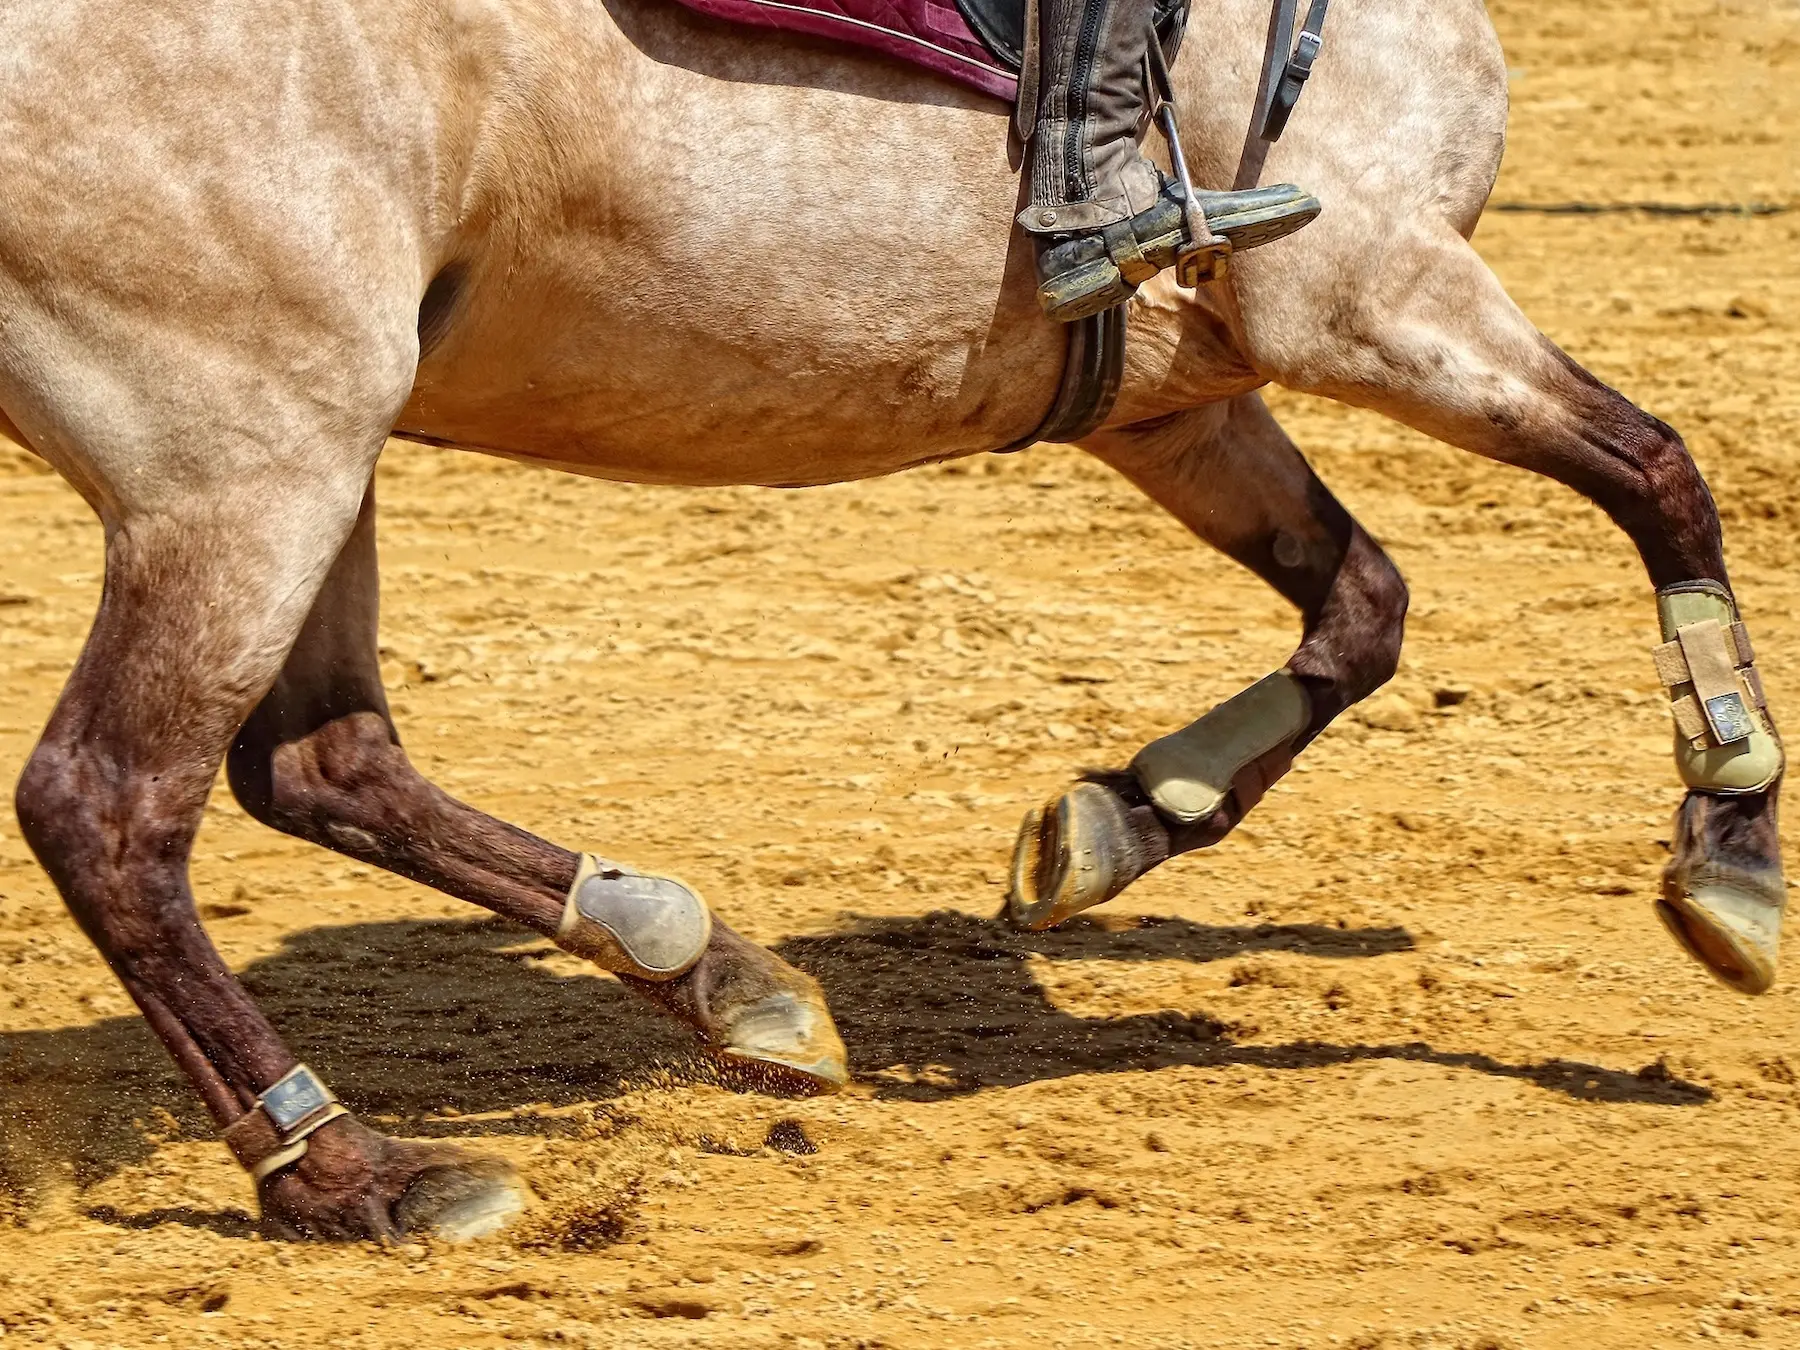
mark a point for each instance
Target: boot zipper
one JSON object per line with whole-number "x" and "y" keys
{"x": 1081, "y": 74}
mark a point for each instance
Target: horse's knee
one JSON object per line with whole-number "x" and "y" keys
{"x": 328, "y": 785}
{"x": 113, "y": 838}
{"x": 1383, "y": 597}
{"x": 50, "y": 804}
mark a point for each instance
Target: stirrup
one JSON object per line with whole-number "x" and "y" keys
{"x": 1194, "y": 232}
{"x": 1083, "y": 274}
{"x": 1207, "y": 254}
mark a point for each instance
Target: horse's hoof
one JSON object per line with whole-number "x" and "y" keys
{"x": 789, "y": 1032}
{"x": 1074, "y": 854}
{"x": 461, "y": 1201}
{"x": 1728, "y": 919}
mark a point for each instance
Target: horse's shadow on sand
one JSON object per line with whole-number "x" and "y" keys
{"x": 408, "y": 1018}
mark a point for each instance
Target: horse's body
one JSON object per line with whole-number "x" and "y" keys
{"x": 243, "y": 240}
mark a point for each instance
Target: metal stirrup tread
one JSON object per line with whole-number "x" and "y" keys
{"x": 1206, "y": 255}
{"x": 275, "y": 1130}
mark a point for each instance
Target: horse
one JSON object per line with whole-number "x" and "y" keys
{"x": 245, "y": 242}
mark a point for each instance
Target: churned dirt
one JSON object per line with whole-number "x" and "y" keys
{"x": 1406, "y": 1062}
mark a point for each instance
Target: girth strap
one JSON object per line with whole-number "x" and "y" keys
{"x": 1093, "y": 370}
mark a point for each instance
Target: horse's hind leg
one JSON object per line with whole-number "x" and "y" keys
{"x": 320, "y": 759}
{"x": 1230, "y": 474}
{"x": 1445, "y": 350}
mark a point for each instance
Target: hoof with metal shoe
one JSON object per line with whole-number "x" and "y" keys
{"x": 1183, "y": 792}
{"x": 758, "y": 1015}
{"x": 464, "y": 1197}
{"x": 1728, "y": 919}
{"x": 1077, "y": 852}
{"x": 321, "y": 1174}
{"x": 790, "y": 1032}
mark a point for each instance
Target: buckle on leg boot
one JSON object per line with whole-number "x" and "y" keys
{"x": 275, "y": 1130}
{"x": 1724, "y": 738}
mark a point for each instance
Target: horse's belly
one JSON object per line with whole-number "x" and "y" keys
{"x": 662, "y": 409}
{"x": 697, "y": 375}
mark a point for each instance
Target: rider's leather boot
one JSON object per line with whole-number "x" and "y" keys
{"x": 1106, "y": 218}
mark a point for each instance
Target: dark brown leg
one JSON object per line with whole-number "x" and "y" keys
{"x": 1458, "y": 360}
{"x": 197, "y": 611}
{"x": 320, "y": 759}
{"x": 1230, "y": 474}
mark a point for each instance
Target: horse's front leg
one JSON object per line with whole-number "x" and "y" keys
{"x": 320, "y": 759}
{"x": 205, "y": 588}
{"x": 1231, "y": 475}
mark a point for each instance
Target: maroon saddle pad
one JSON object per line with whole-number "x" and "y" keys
{"x": 930, "y": 33}
{"x": 975, "y": 42}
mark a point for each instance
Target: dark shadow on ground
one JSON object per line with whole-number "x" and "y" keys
{"x": 408, "y": 1018}
{"x": 230, "y": 1223}
{"x": 944, "y": 1003}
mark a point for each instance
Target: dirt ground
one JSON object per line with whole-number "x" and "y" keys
{"x": 1406, "y": 1062}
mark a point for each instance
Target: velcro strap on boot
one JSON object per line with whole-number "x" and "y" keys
{"x": 625, "y": 921}
{"x": 1725, "y": 740}
{"x": 1188, "y": 774}
{"x": 275, "y": 1130}
{"x": 1713, "y": 673}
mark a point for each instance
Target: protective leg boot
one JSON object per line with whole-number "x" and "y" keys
{"x": 1107, "y": 218}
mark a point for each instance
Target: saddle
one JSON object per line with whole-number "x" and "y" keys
{"x": 981, "y": 43}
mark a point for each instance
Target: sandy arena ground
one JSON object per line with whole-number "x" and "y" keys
{"x": 1406, "y": 1062}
